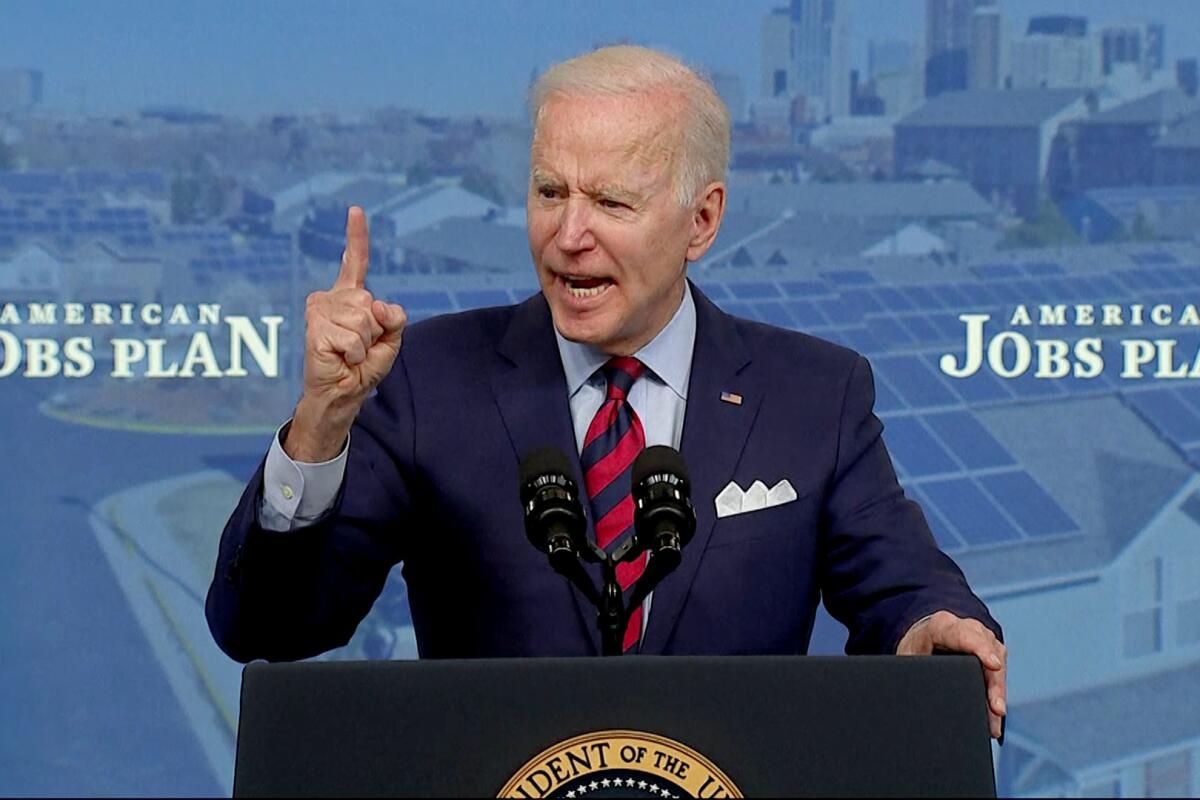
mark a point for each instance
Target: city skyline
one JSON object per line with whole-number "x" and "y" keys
{"x": 266, "y": 59}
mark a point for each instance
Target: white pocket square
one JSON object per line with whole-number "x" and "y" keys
{"x": 733, "y": 500}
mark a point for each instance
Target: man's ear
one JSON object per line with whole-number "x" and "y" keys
{"x": 706, "y": 220}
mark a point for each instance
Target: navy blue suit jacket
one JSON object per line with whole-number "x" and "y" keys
{"x": 431, "y": 481}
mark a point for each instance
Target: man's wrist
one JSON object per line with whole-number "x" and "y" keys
{"x": 319, "y": 429}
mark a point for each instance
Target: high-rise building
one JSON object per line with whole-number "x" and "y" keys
{"x": 732, "y": 92}
{"x": 1058, "y": 25}
{"x": 20, "y": 89}
{"x": 1139, "y": 43}
{"x": 777, "y": 54}
{"x": 806, "y": 52}
{"x": 888, "y": 56}
{"x": 984, "y": 56}
{"x": 1057, "y": 52}
{"x": 948, "y": 43}
{"x": 892, "y": 71}
{"x": 821, "y": 54}
{"x": 1187, "y": 76}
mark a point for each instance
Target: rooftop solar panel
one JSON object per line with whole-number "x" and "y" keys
{"x": 915, "y": 450}
{"x": 1168, "y": 413}
{"x": 886, "y": 399}
{"x": 426, "y": 300}
{"x": 1027, "y": 385}
{"x": 922, "y": 330}
{"x": 861, "y": 339}
{"x": 915, "y": 382}
{"x": 977, "y": 520}
{"x": 1153, "y": 257}
{"x": 1060, "y": 288}
{"x": 773, "y": 313}
{"x": 741, "y": 309}
{"x": 982, "y": 387}
{"x": 921, "y": 297}
{"x": 943, "y": 532}
{"x": 482, "y": 298}
{"x": 1033, "y": 292}
{"x": 754, "y": 290}
{"x": 838, "y": 311}
{"x": 969, "y": 440}
{"x": 806, "y": 313}
{"x": 1189, "y": 395}
{"x": 1108, "y": 288}
{"x": 1035, "y": 511}
{"x": 804, "y": 289}
{"x": 715, "y": 291}
{"x": 861, "y": 301}
{"x": 1009, "y": 293}
{"x": 995, "y": 271}
{"x": 893, "y": 299}
{"x": 890, "y": 333}
{"x": 849, "y": 278}
{"x": 950, "y": 296}
{"x": 1041, "y": 268}
{"x": 1074, "y": 385}
{"x": 949, "y": 328}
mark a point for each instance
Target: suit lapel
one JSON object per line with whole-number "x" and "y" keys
{"x": 714, "y": 435}
{"x": 531, "y": 392}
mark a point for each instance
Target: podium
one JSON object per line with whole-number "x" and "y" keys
{"x": 634, "y": 726}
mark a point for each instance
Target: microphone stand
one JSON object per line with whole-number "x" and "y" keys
{"x": 612, "y": 611}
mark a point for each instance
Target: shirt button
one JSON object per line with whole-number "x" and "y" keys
{"x": 288, "y": 494}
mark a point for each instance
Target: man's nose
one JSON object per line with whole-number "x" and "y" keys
{"x": 575, "y": 226}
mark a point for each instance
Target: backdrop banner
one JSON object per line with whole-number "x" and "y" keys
{"x": 998, "y": 204}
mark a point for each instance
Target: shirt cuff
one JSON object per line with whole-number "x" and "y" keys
{"x": 296, "y": 493}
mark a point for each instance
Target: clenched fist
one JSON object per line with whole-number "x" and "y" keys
{"x": 351, "y": 341}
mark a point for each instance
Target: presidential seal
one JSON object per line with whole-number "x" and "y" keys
{"x": 619, "y": 764}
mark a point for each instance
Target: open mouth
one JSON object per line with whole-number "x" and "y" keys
{"x": 585, "y": 287}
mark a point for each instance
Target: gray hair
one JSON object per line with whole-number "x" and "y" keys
{"x": 627, "y": 70}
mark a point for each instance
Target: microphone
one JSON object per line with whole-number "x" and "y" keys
{"x": 663, "y": 518}
{"x": 554, "y": 520}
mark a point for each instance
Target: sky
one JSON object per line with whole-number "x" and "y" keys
{"x": 444, "y": 56}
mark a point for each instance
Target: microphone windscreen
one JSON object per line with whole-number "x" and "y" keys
{"x": 544, "y": 461}
{"x": 656, "y": 460}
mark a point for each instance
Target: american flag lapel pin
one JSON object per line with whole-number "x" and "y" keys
{"x": 731, "y": 398}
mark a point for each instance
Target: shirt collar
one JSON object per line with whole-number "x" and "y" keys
{"x": 668, "y": 355}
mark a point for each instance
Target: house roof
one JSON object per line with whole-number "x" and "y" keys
{"x": 947, "y": 199}
{"x": 1111, "y": 479}
{"x": 1094, "y": 726}
{"x": 991, "y": 108}
{"x": 1185, "y": 135}
{"x": 1163, "y": 106}
{"x": 473, "y": 241}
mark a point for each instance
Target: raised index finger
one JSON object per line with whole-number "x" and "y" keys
{"x": 353, "y": 274}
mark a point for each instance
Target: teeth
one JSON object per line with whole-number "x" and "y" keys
{"x": 581, "y": 291}
{"x": 592, "y": 292}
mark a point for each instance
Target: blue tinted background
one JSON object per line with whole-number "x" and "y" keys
{"x": 205, "y": 152}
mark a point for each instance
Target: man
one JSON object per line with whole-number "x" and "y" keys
{"x": 618, "y": 352}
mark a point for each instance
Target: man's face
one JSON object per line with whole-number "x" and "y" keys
{"x": 607, "y": 234}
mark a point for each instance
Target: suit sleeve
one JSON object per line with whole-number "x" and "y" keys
{"x": 881, "y": 567}
{"x": 286, "y": 595}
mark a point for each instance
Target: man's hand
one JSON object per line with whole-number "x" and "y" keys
{"x": 945, "y": 632}
{"x": 351, "y": 341}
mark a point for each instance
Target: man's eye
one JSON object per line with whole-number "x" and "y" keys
{"x": 548, "y": 193}
{"x": 607, "y": 203}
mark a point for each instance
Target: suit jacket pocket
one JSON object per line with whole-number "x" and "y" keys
{"x": 771, "y": 523}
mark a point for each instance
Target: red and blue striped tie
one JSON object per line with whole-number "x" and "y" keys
{"x": 613, "y": 441}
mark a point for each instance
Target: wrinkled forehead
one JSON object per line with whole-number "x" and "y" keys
{"x": 643, "y": 129}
